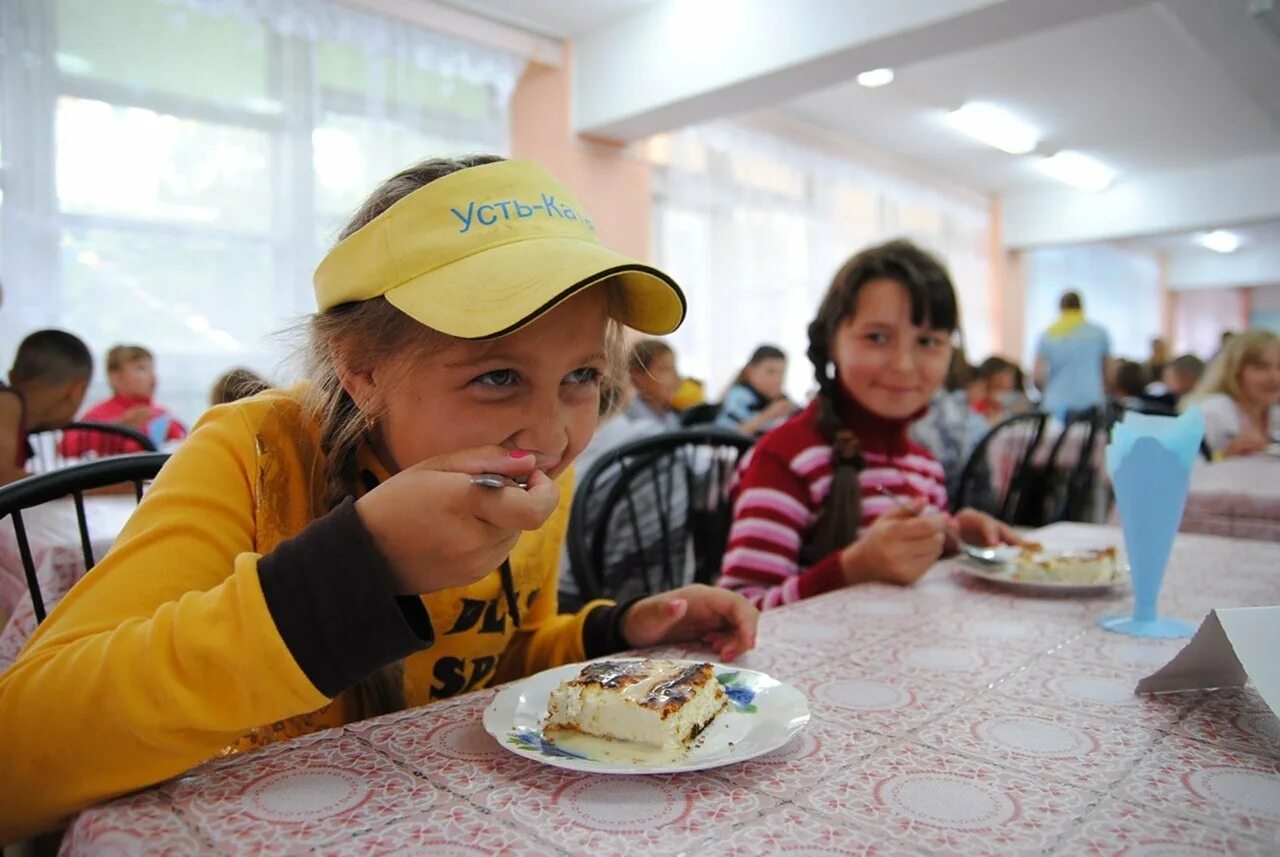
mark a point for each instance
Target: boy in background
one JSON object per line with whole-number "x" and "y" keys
{"x": 46, "y": 386}
{"x": 132, "y": 375}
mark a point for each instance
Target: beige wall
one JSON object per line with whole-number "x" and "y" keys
{"x": 613, "y": 183}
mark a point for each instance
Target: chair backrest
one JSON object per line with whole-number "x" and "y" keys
{"x": 699, "y": 415}
{"x": 1074, "y": 467}
{"x": 85, "y": 441}
{"x": 72, "y": 481}
{"x": 654, "y": 514}
{"x": 999, "y": 476}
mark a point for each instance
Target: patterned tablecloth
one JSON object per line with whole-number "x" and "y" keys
{"x": 1237, "y": 497}
{"x": 947, "y": 718}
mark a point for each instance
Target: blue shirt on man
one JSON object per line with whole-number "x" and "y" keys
{"x": 1074, "y": 360}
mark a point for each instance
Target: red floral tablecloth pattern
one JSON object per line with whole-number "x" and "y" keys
{"x": 947, "y": 718}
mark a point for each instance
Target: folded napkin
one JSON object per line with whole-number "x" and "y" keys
{"x": 1149, "y": 460}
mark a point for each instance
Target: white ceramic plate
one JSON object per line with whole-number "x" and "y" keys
{"x": 764, "y": 715}
{"x": 1001, "y": 575}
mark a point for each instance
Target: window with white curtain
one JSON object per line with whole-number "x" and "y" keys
{"x": 172, "y": 170}
{"x": 754, "y": 225}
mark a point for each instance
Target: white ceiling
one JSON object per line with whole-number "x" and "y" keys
{"x": 561, "y": 19}
{"x": 1131, "y": 88}
{"x": 1180, "y": 97}
{"x": 1252, "y": 236}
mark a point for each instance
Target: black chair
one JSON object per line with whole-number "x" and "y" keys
{"x": 1073, "y": 470}
{"x": 58, "y": 448}
{"x": 653, "y": 515}
{"x": 1007, "y": 488}
{"x": 73, "y": 481}
{"x": 703, "y": 414}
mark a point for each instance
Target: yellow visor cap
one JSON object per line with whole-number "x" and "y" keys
{"x": 483, "y": 251}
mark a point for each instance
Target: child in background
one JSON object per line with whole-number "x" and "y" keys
{"x": 50, "y": 374}
{"x": 950, "y": 429}
{"x": 809, "y": 512}
{"x": 1179, "y": 378}
{"x": 1129, "y": 385}
{"x": 995, "y": 379}
{"x": 315, "y": 556}
{"x": 689, "y": 393}
{"x": 236, "y": 384}
{"x": 755, "y": 403}
{"x": 132, "y": 375}
{"x": 1239, "y": 395}
{"x": 652, "y": 367}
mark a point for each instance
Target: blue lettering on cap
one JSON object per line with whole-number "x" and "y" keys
{"x": 486, "y": 214}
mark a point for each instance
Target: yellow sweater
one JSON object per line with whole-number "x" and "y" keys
{"x": 174, "y": 648}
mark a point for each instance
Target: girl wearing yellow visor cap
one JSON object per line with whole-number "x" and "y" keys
{"x": 318, "y": 555}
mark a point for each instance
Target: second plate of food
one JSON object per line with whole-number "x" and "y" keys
{"x": 1045, "y": 571}
{"x": 763, "y": 714}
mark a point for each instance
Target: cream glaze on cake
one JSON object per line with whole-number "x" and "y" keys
{"x": 1077, "y": 567}
{"x": 653, "y": 703}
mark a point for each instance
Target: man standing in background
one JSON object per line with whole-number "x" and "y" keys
{"x": 1072, "y": 361}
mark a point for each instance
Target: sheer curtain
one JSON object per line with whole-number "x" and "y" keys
{"x": 754, "y": 225}
{"x": 172, "y": 170}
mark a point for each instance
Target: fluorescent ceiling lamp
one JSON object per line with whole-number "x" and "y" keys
{"x": 1076, "y": 170}
{"x": 1220, "y": 241}
{"x": 875, "y": 77}
{"x": 993, "y": 126}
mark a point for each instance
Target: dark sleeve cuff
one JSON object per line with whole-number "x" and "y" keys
{"x": 329, "y": 592}
{"x": 822, "y": 576}
{"x": 602, "y": 630}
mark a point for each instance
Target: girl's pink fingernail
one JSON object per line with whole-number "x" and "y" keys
{"x": 518, "y": 453}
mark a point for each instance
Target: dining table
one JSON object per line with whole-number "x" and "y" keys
{"x": 1237, "y": 497}
{"x": 953, "y": 716}
{"x": 53, "y": 536}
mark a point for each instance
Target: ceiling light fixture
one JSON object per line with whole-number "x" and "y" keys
{"x": 1077, "y": 170}
{"x": 993, "y": 126}
{"x": 875, "y": 77}
{"x": 1219, "y": 241}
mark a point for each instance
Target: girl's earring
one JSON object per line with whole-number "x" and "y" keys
{"x": 369, "y": 422}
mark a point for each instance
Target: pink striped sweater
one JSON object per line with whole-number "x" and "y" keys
{"x": 780, "y": 489}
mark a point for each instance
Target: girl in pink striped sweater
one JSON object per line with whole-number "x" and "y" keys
{"x": 810, "y": 511}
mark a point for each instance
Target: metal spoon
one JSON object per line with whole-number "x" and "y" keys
{"x": 897, "y": 501}
{"x": 497, "y": 480}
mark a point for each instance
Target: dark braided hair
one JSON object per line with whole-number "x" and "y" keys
{"x": 933, "y": 304}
